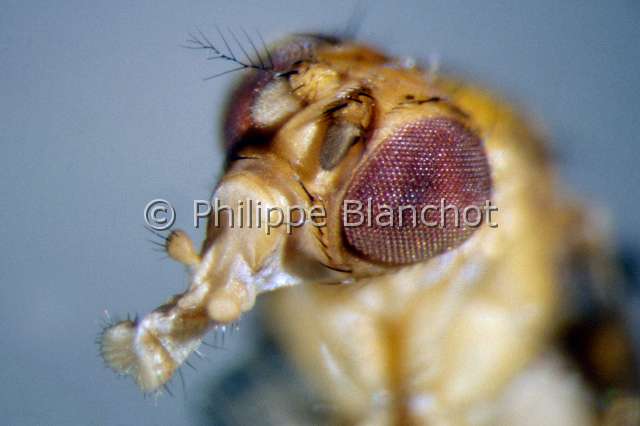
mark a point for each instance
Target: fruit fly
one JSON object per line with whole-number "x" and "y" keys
{"x": 393, "y": 323}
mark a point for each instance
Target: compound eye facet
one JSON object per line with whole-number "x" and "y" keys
{"x": 417, "y": 187}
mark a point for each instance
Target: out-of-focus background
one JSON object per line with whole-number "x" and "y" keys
{"x": 102, "y": 111}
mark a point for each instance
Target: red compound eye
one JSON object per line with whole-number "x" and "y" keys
{"x": 239, "y": 124}
{"x": 427, "y": 164}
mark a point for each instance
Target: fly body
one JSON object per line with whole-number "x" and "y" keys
{"x": 438, "y": 315}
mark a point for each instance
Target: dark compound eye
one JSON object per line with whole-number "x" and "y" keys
{"x": 432, "y": 162}
{"x": 238, "y": 122}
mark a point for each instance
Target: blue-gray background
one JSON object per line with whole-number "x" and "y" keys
{"x": 101, "y": 111}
